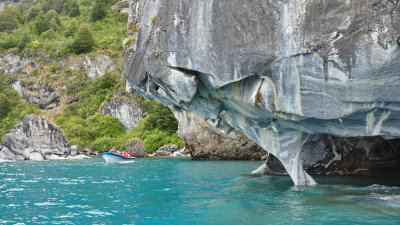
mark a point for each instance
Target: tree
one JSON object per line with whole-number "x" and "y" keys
{"x": 9, "y": 18}
{"x": 98, "y": 10}
{"x": 56, "y": 5}
{"x": 14, "y": 11}
{"x": 53, "y": 15}
{"x": 33, "y": 12}
{"x": 72, "y": 8}
{"x": 5, "y": 106}
{"x": 160, "y": 117}
{"x": 83, "y": 41}
{"x": 71, "y": 28}
{"x": 41, "y": 23}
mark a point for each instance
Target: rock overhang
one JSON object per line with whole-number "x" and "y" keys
{"x": 279, "y": 71}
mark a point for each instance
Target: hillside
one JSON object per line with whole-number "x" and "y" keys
{"x": 63, "y": 60}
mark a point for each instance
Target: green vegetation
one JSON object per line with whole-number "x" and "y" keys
{"x": 53, "y": 30}
{"x": 10, "y": 18}
{"x": 98, "y": 11}
{"x": 157, "y": 129}
{"x": 83, "y": 41}
{"x": 63, "y": 18}
{"x": 41, "y": 23}
{"x": 12, "y": 107}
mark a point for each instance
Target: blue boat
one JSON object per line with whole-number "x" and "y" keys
{"x": 113, "y": 158}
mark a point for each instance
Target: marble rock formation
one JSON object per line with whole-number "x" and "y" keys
{"x": 205, "y": 142}
{"x": 35, "y": 139}
{"x": 126, "y": 110}
{"x": 46, "y": 97}
{"x": 329, "y": 155}
{"x": 278, "y": 71}
{"x": 95, "y": 65}
{"x": 135, "y": 146}
{"x": 10, "y": 63}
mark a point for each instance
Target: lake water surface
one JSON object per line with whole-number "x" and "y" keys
{"x": 181, "y": 191}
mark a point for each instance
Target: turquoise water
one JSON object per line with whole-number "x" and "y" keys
{"x": 181, "y": 191}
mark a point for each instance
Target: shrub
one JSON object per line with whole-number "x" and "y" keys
{"x": 9, "y": 18}
{"x": 102, "y": 144}
{"x": 56, "y": 5}
{"x": 48, "y": 34}
{"x": 33, "y": 13}
{"x": 123, "y": 17}
{"x": 98, "y": 11}
{"x": 41, "y": 23}
{"x": 160, "y": 117}
{"x": 35, "y": 44}
{"x": 83, "y": 40}
{"x": 53, "y": 24}
{"x": 72, "y": 8}
{"x": 24, "y": 39}
{"x": 71, "y": 28}
{"x": 51, "y": 14}
{"x": 105, "y": 126}
{"x": 86, "y": 2}
{"x": 5, "y": 106}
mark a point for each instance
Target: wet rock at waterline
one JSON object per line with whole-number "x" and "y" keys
{"x": 205, "y": 142}
{"x": 35, "y": 138}
{"x": 135, "y": 146}
{"x": 171, "y": 150}
{"x": 278, "y": 71}
{"x": 330, "y": 155}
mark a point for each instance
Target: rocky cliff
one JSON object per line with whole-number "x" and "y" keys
{"x": 205, "y": 142}
{"x": 5, "y": 3}
{"x": 330, "y": 155}
{"x": 281, "y": 72}
{"x": 35, "y": 138}
{"x": 125, "y": 109}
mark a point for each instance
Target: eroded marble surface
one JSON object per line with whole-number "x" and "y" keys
{"x": 278, "y": 71}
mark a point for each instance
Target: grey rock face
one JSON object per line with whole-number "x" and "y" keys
{"x": 95, "y": 65}
{"x": 171, "y": 150}
{"x": 329, "y": 155}
{"x": 166, "y": 150}
{"x": 278, "y": 71}
{"x": 5, "y": 3}
{"x": 11, "y": 62}
{"x": 34, "y": 139}
{"x": 135, "y": 146}
{"x": 127, "y": 111}
{"x": 205, "y": 142}
{"x": 45, "y": 97}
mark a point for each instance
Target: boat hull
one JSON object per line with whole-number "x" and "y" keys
{"x": 111, "y": 158}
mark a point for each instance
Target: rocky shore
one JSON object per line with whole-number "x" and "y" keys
{"x": 205, "y": 142}
{"x": 35, "y": 138}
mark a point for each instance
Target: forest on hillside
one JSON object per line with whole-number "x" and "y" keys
{"x": 53, "y": 33}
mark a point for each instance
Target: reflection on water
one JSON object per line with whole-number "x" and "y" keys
{"x": 181, "y": 191}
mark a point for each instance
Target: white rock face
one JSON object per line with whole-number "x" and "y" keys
{"x": 278, "y": 71}
{"x": 12, "y": 62}
{"x": 95, "y": 65}
{"x": 34, "y": 139}
{"x": 4, "y": 3}
{"x": 46, "y": 97}
{"x": 127, "y": 111}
